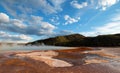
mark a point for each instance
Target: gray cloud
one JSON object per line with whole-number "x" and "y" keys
{"x": 35, "y": 26}
{"x": 8, "y": 37}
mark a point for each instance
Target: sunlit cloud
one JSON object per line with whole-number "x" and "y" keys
{"x": 77, "y": 5}
{"x": 70, "y": 20}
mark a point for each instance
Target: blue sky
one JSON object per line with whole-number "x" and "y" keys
{"x": 30, "y": 20}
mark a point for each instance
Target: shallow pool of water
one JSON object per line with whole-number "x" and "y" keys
{"x": 6, "y": 48}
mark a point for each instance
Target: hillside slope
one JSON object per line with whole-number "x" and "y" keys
{"x": 80, "y": 40}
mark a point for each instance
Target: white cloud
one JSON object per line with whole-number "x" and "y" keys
{"x": 57, "y": 4}
{"x": 2, "y": 33}
{"x": 103, "y": 4}
{"x": 4, "y": 18}
{"x": 63, "y": 32}
{"x": 24, "y": 37}
{"x": 31, "y": 6}
{"x": 35, "y": 18}
{"x": 112, "y": 27}
{"x": 47, "y": 25}
{"x": 18, "y": 23}
{"x": 45, "y": 7}
{"x": 8, "y": 6}
{"x": 70, "y": 20}
{"x": 90, "y": 33}
{"x": 116, "y": 18}
{"x": 96, "y": 4}
{"x": 42, "y": 27}
{"x": 35, "y": 26}
{"x": 77, "y": 5}
{"x": 14, "y": 38}
{"x": 47, "y": 28}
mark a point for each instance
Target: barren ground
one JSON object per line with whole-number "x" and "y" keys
{"x": 77, "y": 60}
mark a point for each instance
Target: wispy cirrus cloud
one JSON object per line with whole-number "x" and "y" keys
{"x": 111, "y": 27}
{"x": 31, "y": 6}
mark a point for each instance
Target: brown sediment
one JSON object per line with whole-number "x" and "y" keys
{"x": 15, "y": 62}
{"x": 77, "y": 49}
{"x": 72, "y": 56}
{"x": 32, "y": 66}
{"x": 12, "y": 65}
{"x": 1, "y": 56}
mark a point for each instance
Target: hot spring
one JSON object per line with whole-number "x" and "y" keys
{"x": 6, "y": 48}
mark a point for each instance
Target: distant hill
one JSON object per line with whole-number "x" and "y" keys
{"x": 80, "y": 40}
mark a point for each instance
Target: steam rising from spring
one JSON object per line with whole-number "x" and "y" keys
{"x": 15, "y": 47}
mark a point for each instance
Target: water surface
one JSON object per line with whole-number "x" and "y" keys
{"x": 6, "y": 48}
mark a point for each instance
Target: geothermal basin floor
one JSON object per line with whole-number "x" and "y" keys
{"x": 76, "y": 60}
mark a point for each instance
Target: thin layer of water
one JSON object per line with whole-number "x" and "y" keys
{"x": 6, "y": 48}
